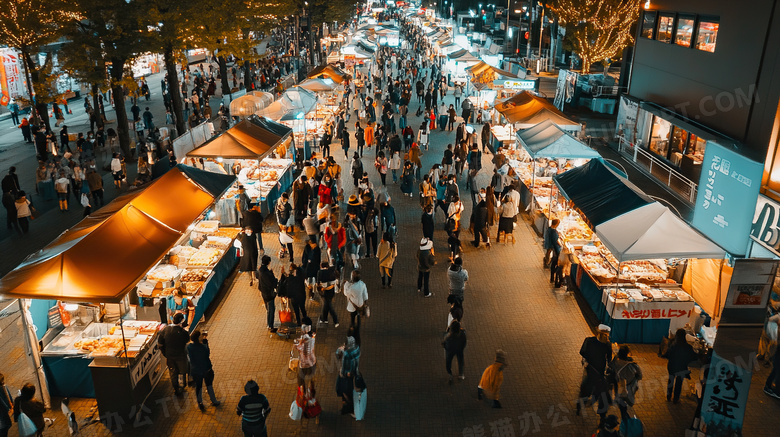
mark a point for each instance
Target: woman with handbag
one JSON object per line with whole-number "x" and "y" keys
{"x": 28, "y": 409}
{"x": 307, "y": 364}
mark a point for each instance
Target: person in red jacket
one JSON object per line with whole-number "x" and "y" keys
{"x": 336, "y": 239}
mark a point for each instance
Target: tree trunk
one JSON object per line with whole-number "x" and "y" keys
{"x": 118, "y": 92}
{"x": 223, "y": 72}
{"x": 96, "y": 106}
{"x": 37, "y": 110}
{"x": 311, "y": 39}
{"x": 175, "y": 90}
{"x": 43, "y": 110}
{"x": 247, "y": 77}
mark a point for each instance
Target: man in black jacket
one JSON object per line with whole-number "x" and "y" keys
{"x": 253, "y": 219}
{"x": 173, "y": 345}
{"x": 479, "y": 221}
{"x": 294, "y": 284}
{"x": 427, "y": 222}
{"x": 267, "y": 283}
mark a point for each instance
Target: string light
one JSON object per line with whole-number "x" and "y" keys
{"x": 597, "y": 29}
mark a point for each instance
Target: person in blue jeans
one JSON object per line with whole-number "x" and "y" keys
{"x": 200, "y": 367}
{"x": 267, "y": 284}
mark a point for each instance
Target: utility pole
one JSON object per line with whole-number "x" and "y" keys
{"x": 541, "y": 33}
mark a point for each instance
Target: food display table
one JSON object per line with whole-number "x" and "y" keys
{"x": 501, "y": 136}
{"x": 264, "y": 181}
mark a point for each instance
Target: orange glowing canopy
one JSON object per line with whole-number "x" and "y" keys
{"x": 105, "y": 255}
{"x": 252, "y": 138}
{"x": 329, "y": 71}
{"x": 529, "y": 110}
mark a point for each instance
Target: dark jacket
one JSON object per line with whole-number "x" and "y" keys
{"x": 427, "y": 225}
{"x": 679, "y": 355}
{"x": 425, "y": 260}
{"x": 479, "y": 216}
{"x": 325, "y": 276}
{"x": 454, "y": 343}
{"x": 296, "y": 286}
{"x": 254, "y": 220}
{"x": 597, "y": 354}
{"x": 267, "y": 283}
{"x": 33, "y": 408}
{"x": 310, "y": 261}
{"x": 173, "y": 342}
{"x": 200, "y": 360}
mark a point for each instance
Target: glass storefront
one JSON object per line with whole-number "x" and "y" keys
{"x": 707, "y": 35}
{"x": 682, "y": 149}
{"x": 682, "y": 37}
{"x": 665, "y": 27}
{"x": 648, "y": 24}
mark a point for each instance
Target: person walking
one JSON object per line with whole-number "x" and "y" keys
{"x": 357, "y": 298}
{"x": 625, "y": 374}
{"x": 454, "y": 344}
{"x": 173, "y": 343}
{"x": 426, "y": 259}
{"x": 307, "y": 364}
{"x": 457, "y": 277}
{"x": 360, "y": 137}
{"x": 327, "y": 286}
{"x": 479, "y": 221}
{"x": 201, "y": 369}
{"x": 267, "y": 284}
{"x": 6, "y": 407}
{"x": 349, "y": 356}
{"x": 95, "y": 184}
{"x": 596, "y": 353}
{"x": 24, "y": 210}
{"x": 679, "y": 354}
{"x": 310, "y": 264}
{"x": 395, "y": 165}
{"x": 246, "y": 244}
{"x": 380, "y": 163}
{"x": 492, "y": 378}
{"x": 388, "y": 251}
{"x": 253, "y": 409}
{"x": 31, "y": 407}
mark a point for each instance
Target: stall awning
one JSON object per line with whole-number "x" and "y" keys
{"x": 294, "y": 103}
{"x": 108, "y": 253}
{"x": 252, "y": 138}
{"x": 318, "y": 85}
{"x": 528, "y": 110}
{"x": 653, "y": 231}
{"x": 463, "y": 55}
{"x": 548, "y": 140}
{"x": 599, "y": 192}
{"x": 329, "y": 71}
{"x": 486, "y": 73}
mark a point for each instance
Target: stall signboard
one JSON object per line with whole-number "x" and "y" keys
{"x": 727, "y": 192}
{"x": 748, "y": 293}
{"x": 149, "y": 362}
{"x": 517, "y": 84}
{"x": 766, "y": 224}
{"x": 725, "y": 397}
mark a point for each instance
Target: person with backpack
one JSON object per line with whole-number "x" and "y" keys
{"x": 356, "y": 168}
{"x": 680, "y": 354}
{"x": 624, "y": 373}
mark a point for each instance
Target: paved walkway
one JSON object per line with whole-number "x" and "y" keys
{"x": 509, "y": 305}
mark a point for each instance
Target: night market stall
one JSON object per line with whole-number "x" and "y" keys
{"x": 628, "y": 270}
{"x": 525, "y": 110}
{"x": 100, "y": 341}
{"x": 260, "y": 153}
{"x": 297, "y": 109}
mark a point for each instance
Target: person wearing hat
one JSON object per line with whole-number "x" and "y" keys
{"x": 353, "y": 205}
{"x": 253, "y": 409}
{"x": 596, "y": 353}
{"x": 426, "y": 259}
{"x": 492, "y": 378}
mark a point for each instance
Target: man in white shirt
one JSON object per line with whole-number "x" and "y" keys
{"x": 357, "y": 298}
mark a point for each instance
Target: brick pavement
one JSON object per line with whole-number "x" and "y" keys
{"x": 509, "y": 305}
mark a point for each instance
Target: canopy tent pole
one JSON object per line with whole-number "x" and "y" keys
{"x": 617, "y": 285}
{"x": 31, "y": 343}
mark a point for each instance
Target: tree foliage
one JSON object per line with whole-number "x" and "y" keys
{"x": 597, "y": 30}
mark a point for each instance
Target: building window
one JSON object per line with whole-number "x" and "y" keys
{"x": 659, "y": 137}
{"x": 696, "y": 148}
{"x": 665, "y": 27}
{"x": 679, "y": 141}
{"x": 707, "y": 35}
{"x": 684, "y": 32}
{"x": 648, "y": 24}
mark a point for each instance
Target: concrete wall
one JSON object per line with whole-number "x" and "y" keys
{"x": 718, "y": 89}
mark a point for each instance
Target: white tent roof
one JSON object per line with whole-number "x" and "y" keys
{"x": 318, "y": 85}
{"x": 548, "y": 140}
{"x": 653, "y": 231}
{"x": 294, "y": 101}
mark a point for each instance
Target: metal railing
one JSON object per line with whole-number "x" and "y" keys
{"x": 673, "y": 179}
{"x": 608, "y": 91}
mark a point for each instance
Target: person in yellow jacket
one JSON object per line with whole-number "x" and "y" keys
{"x": 492, "y": 378}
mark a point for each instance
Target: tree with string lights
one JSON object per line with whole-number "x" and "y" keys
{"x": 597, "y": 30}
{"x": 28, "y": 26}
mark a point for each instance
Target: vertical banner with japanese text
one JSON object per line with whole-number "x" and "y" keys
{"x": 725, "y": 397}
{"x": 726, "y": 199}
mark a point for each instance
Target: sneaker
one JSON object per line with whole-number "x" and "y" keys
{"x": 428, "y": 295}
{"x": 462, "y": 377}
{"x": 336, "y": 325}
{"x": 216, "y": 403}
{"x": 202, "y": 407}
{"x": 419, "y": 290}
{"x": 324, "y": 322}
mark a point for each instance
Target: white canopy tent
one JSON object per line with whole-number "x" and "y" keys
{"x": 318, "y": 85}
{"x": 548, "y": 140}
{"x": 652, "y": 232}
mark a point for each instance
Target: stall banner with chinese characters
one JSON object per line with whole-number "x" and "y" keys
{"x": 11, "y": 78}
{"x": 725, "y": 397}
{"x": 727, "y": 194}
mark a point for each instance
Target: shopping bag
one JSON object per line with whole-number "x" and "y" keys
{"x": 26, "y": 426}
{"x": 312, "y": 409}
{"x": 285, "y": 315}
{"x": 360, "y": 400}
{"x": 295, "y": 411}
{"x": 285, "y": 238}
